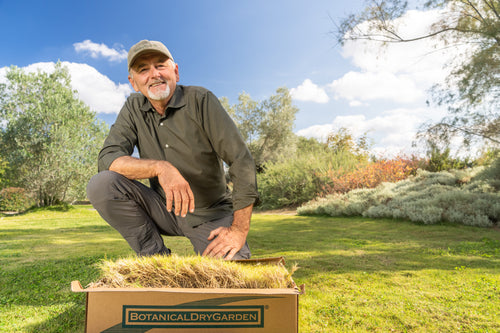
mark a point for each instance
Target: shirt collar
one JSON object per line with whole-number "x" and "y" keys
{"x": 176, "y": 102}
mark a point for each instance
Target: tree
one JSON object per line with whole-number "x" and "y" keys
{"x": 266, "y": 126}
{"x": 312, "y": 145}
{"x": 343, "y": 140}
{"x": 3, "y": 168}
{"x": 49, "y": 137}
{"x": 472, "y": 89}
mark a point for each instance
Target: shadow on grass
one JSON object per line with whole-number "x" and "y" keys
{"x": 71, "y": 320}
{"x": 26, "y": 246}
{"x": 45, "y": 282}
{"x": 34, "y": 209}
{"x": 55, "y": 208}
{"x": 42, "y": 289}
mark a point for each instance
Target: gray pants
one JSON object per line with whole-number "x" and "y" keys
{"x": 139, "y": 214}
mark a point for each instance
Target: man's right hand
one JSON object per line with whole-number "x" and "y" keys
{"x": 177, "y": 190}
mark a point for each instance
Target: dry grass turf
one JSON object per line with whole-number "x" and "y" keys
{"x": 190, "y": 272}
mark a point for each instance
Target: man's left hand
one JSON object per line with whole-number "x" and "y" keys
{"x": 226, "y": 242}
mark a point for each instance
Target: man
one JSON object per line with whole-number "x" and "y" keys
{"x": 183, "y": 135}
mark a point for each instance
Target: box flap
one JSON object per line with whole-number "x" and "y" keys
{"x": 76, "y": 287}
{"x": 267, "y": 261}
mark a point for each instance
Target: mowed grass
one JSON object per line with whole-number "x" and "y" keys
{"x": 361, "y": 275}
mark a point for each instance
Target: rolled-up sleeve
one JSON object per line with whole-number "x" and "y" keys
{"x": 121, "y": 140}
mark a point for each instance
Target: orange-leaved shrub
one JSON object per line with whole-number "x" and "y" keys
{"x": 370, "y": 175}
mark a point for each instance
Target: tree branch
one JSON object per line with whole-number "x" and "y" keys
{"x": 492, "y": 7}
{"x": 476, "y": 10}
{"x": 466, "y": 131}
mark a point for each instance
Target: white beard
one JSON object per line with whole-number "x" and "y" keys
{"x": 159, "y": 95}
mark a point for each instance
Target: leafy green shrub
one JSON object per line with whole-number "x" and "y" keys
{"x": 288, "y": 183}
{"x": 491, "y": 175}
{"x": 440, "y": 161}
{"x": 297, "y": 179}
{"x": 458, "y": 196}
{"x": 14, "y": 199}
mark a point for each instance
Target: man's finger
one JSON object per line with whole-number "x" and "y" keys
{"x": 208, "y": 249}
{"x": 213, "y": 244}
{"x": 231, "y": 254}
{"x": 177, "y": 202}
{"x": 214, "y": 233}
{"x": 186, "y": 203}
{"x": 169, "y": 197}
{"x": 219, "y": 251}
{"x": 191, "y": 200}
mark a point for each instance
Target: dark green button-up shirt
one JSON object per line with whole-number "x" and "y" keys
{"x": 195, "y": 135}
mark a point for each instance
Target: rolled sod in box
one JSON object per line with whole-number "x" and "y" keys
{"x": 158, "y": 293}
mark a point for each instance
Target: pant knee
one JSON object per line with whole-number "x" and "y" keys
{"x": 100, "y": 184}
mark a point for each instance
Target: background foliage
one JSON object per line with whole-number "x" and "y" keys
{"x": 301, "y": 175}
{"x": 14, "y": 199}
{"x": 266, "y": 126}
{"x": 469, "y": 196}
{"x": 50, "y": 138}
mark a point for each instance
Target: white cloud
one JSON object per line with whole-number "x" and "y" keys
{"x": 398, "y": 72}
{"x": 392, "y": 131}
{"x": 355, "y": 103}
{"x": 100, "y": 51}
{"x": 356, "y": 86}
{"x": 309, "y": 92}
{"x": 319, "y": 132}
{"x": 95, "y": 89}
{"x": 421, "y": 55}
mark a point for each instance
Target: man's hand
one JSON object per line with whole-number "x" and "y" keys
{"x": 177, "y": 190}
{"x": 226, "y": 242}
{"x": 178, "y": 193}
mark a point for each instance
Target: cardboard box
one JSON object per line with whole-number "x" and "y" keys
{"x": 191, "y": 310}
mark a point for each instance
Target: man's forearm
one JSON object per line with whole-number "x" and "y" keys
{"x": 134, "y": 168}
{"x": 241, "y": 219}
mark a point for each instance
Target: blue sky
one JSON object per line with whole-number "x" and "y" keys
{"x": 235, "y": 46}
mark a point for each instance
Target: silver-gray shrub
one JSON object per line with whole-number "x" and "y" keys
{"x": 469, "y": 197}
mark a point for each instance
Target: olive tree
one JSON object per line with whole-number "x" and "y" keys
{"x": 49, "y": 137}
{"x": 266, "y": 126}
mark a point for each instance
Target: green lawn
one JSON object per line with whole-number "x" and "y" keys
{"x": 360, "y": 274}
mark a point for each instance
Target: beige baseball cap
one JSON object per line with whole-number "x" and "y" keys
{"x": 145, "y": 46}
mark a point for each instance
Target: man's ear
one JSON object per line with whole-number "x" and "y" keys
{"x": 177, "y": 72}
{"x": 132, "y": 82}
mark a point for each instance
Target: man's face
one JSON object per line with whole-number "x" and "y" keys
{"x": 155, "y": 76}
